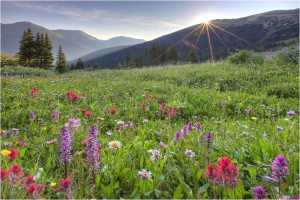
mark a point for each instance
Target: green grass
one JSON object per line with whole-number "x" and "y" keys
{"x": 196, "y": 90}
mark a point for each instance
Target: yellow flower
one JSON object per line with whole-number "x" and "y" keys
{"x": 5, "y": 152}
{"x": 115, "y": 120}
{"x": 254, "y": 118}
{"x": 52, "y": 184}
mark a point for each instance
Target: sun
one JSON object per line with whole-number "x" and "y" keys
{"x": 204, "y": 18}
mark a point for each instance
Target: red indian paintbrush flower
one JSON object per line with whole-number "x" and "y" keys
{"x": 13, "y": 155}
{"x": 113, "y": 111}
{"x": 83, "y": 110}
{"x": 88, "y": 113}
{"x": 33, "y": 91}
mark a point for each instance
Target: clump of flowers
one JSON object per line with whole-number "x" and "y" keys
{"x": 163, "y": 106}
{"x": 52, "y": 141}
{"x": 72, "y": 95}
{"x": 208, "y": 139}
{"x": 124, "y": 125}
{"x": 11, "y": 155}
{"x": 259, "y": 193}
{"x": 14, "y": 174}
{"x": 145, "y": 175}
{"x": 172, "y": 111}
{"x": 225, "y": 173}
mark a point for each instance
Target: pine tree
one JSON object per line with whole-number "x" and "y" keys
{"x": 61, "y": 62}
{"x": 79, "y": 64}
{"x": 173, "y": 55}
{"x": 192, "y": 56}
{"x": 26, "y": 50}
{"x": 47, "y": 53}
{"x": 38, "y": 50}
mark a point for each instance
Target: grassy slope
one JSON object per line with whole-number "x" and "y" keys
{"x": 196, "y": 90}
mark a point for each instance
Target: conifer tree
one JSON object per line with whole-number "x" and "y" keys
{"x": 192, "y": 56}
{"x": 26, "y": 50}
{"x": 61, "y": 62}
{"x": 173, "y": 55}
{"x": 79, "y": 64}
{"x": 38, "y": 53}
{"x": 47, "y": 53}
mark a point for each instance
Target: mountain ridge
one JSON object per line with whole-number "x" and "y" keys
{"x": 75, "y": 43}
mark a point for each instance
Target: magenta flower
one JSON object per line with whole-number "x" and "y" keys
{"x": 65, "y": 146}
{"x": 259, "y": 193}
{"x": 54, "y": 115}
{"x": 92, "y": 150}
{"x": 279, "y": 168}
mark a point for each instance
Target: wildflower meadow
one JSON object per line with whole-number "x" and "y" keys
{"x": 200, "y": 131}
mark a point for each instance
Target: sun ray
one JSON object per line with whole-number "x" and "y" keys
{"x": 200, "y": 34}
{"x": 232, "y": 34}
{"x": 176, "y": 43}
{"x": 217, "y": 34}
{"x": 210, "y": 47}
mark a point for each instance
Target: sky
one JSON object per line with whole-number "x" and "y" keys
{"x": 138, "y": 19}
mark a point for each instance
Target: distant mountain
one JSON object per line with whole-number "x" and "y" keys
{"x": 75, "y": 43}
{"x": 257, "y": 32}
{"x": 89, "y": 58}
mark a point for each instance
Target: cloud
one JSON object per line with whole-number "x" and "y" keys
{"x": 93, "y": 14}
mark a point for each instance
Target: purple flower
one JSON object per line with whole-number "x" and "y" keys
{"x": 185, "y": 130}
{"x": 155, "y": 155}
{"x": 259, "y": 193}
{"x": 178, "y": 136}
{"x": 209, "y": 138}
{"x": 250, "y": 111}
{"x": 290, "y": 112}
{"x": 129, "y": 124}
{"x": 296, "y": 197}
{"x": 52, "y": 141}
{"x": 92, "y": 150}
{"x": 190, "y": 125}
{"x": 279, "y": 128}
{"x": 15, "y": 131}
{"x": 223, "y": 103}
{"x": 65, "y": 146}
{"x": 162, "y": 145}
{"x": 73, "y": 124}
{"x": 189, "y": 153}
{"x": 285, "y": 197}
{"x": 32, "y": 116}
{"x": 198, "y": 126}
{"x": 4, "y": 132}
{"x": 144, "y": 174}
{"x": 279, "y": 168}
{"x": 26, "y": 96}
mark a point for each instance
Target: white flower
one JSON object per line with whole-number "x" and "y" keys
{"x": 189, "y": 153}
{"x": 109, "y": 133}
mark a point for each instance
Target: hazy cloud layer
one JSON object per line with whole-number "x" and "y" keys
{"x": 94, "y": 14}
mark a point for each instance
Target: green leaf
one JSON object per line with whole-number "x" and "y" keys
{"x": 22, "y": 152}
{"x": 178, "y": 192}
{"x": 116, "y": 185}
